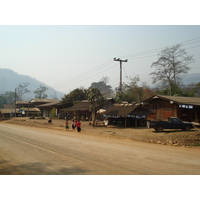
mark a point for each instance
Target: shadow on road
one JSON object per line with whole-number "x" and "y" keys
{"x": 37, "y": 168}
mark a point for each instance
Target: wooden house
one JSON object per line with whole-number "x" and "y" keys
{"x": 127, "y": 115}
{"x": 163, "y": 106}
{"x": 46, "y": 106}
{"x": 18, "y": 109}
{"x": 80, "y": 110}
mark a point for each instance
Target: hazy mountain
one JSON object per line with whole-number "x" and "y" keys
{"x": 9, "y": 80}
{"x": 190, "y": 78}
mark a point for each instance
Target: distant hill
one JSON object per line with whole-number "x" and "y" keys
{"x": 191, "y": 78}
{"x": 9, "y": 80}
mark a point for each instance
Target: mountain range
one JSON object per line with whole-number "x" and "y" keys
{"x": 9, "y": 80}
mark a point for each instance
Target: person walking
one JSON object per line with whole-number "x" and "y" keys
{"x": 78, "y": 125}
{"x": 66, "y": 124}
{"x": 73, "y": 124}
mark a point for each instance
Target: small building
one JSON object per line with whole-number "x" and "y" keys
{"x": 37, "y": 102}
{"x": 47, "y": 108}
{"x": 163, "y": 106}
{"x": 127, "y": 115}
{"x": 23, "y": 104}
{"x": 20, "y": 109}
{"x": 80, "y": 110}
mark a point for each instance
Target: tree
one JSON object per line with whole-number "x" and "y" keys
{"x": 95, "y": 97}
{"x": 22, "y": 89}
{"x": 74, "y": 97}
{"x": 197, "y": 90}
{"x": 40, "y": 92}
{"x": 171, "y": 62}
{"x": 106, "y": 90}
{"x": 133, "y": 92}
{"x": 2, "y": 100}
{"x": 10, "y": 96}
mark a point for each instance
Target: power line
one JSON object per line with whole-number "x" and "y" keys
{"x": 158, "y": 49}
{"x": 84, "y": 78}
{"x": 140, "y": 55}
{"x": 86, "y": 73}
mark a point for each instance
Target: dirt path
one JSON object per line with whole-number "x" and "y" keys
{"x": 172, "y": 138}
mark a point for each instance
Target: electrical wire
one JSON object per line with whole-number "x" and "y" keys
{"x": 85, "y": 74}
{"x": 140, "y": 55}
{"x": 74, "y": 80}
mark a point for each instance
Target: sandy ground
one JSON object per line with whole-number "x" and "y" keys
{"x": 174, "y": 138}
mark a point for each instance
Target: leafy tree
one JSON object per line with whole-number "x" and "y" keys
{"x": 197, "y": 90}
{"x": 171, "y": 62}
{"x": 74, "y": 97}
{"x": 2, "y": 100}
{"x": 10, "y": 96}
{"x": 105, "y": 79}
{"x": 53, "y": 112}
{"x": 40, "y": 92}
{"x": 95, "y": 97}
{"x": 106, "y": 90}
{"x": 22, "y": 89}
{"x": 133, "y": 92}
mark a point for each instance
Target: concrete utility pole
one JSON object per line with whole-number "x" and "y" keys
{"x": 115, "y": 59}
{"x": 15, "y": 101}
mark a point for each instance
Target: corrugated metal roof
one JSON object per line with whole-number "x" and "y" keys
{"x": 7, "y": 110}
{"x": 22, "y": 102}
{"x": 42, "y": 100}
{"x": 49, "y": 104}
{"x": 81, "y": 106}
{"x": 177, "y": 99}
{"x": 127, "y": 109}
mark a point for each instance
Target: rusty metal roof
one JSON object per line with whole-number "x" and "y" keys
{"x": 81, "y": 106}
{"x": 127, "y": 109}
{"x": 177, "y": 99}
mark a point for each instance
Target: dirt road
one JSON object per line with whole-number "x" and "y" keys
{"x": 29, "y": 150}
{"x": 174, "y": 138}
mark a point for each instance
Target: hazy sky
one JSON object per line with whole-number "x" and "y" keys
{"x": 66, "y": 57}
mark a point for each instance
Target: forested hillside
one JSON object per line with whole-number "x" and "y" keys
{"x": 9, "y": 80}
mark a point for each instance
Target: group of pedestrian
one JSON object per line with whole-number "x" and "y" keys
{"x": 76, "y": 124}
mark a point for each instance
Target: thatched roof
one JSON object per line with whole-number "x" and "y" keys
{"x": 177, "y": 99}
{"x": 127, "y": 109}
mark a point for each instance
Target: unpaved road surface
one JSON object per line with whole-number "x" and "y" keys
{"x": 38, "y": 151}
{"x": 174, "y": 138}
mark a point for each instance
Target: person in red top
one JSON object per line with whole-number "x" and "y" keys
{"x": 78, "y": 125}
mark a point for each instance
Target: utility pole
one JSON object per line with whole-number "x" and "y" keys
{"x": 120, "y": 84}
{"x": 15, "y": 101}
